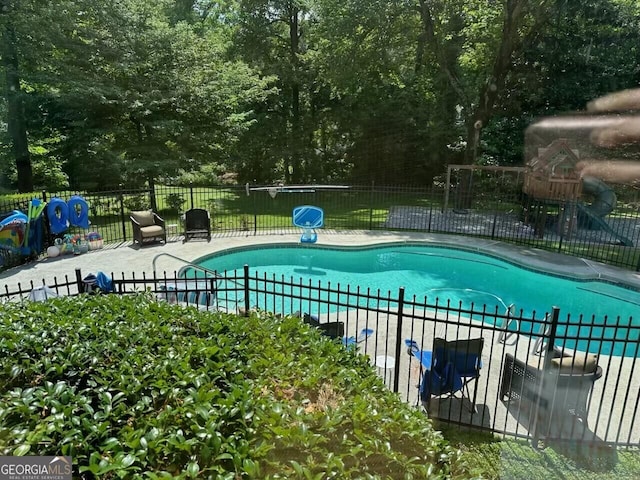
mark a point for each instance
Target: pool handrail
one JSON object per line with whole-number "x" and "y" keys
{"x": 187, "y": 264}
{"x": 505, "y": 333}
{"x": 195, "y": 266}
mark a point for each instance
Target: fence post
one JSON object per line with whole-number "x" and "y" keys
{"x": 371, "y": 207}
{"x": 191, "y": 193}
{"x": 44, "y": 195}
{"x": 246, "y": 290}
{"x": 396, "y": 371}
{"x": 495, "y": 221}
{"x": 561, "y": 224}
{"x": 79, "y": 281}
{"x": 124, "y": 226}
{"x": 253, "y": 207}
{"x": 555, "y": 316}
{"x": 152, "y": 196}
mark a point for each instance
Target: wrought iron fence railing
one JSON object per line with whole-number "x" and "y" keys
{"x": 497, "y": 211}
{"x": 546, "y": 377}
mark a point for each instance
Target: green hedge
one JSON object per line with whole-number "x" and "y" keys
{"x": 133, "y": 388}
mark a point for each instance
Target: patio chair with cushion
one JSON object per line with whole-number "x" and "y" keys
{"x": 148, "y": 226}
{"x": 197, "y": 223}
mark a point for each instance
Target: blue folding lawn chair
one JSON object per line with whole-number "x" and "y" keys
{"x": 352, "y": 341}
{"x": 448, "y": 368}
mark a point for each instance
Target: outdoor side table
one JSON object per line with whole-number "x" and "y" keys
{"x": 385, "y": 366}
{"x": 172, "y": 231}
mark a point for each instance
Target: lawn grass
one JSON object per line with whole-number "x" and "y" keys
{"x": 507, "y": 458}
{"x": 232, "y": 210}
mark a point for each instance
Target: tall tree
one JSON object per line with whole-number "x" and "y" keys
{"x": 16, "y": 122}
{"x": 587, "y": 48}
{"x": 381, "y": 111}
{"x": 494, "y": 34}
{"x": 130, "y": 93}
{"x": 271, "y": 36}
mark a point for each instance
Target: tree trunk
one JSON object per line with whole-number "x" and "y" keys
{"x": 294, "y": 175}
{"x": 17, "y": 125}
{"x": 490, "y": 90}
{"x": 152, "y": 193}
{"x": 428, "y": 35}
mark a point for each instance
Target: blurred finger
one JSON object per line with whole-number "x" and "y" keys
{"x": 623, "y": 133}
{"x": 612, "y": 171}
{"x": 618, "y": 101}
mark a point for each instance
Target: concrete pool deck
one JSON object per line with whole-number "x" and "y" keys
{"x": 609, "y": 414}
{"x": 126, "y": 258}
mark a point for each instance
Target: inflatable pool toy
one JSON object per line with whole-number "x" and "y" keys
{"x": 78, "y": 212}
{"x": 12, "y": 230}
{"x": 32, "y": 242}
{"x": 58, "y": 215}
{"x": 53, "y": 251}
{"x": 16, "y": 216}
{"x": 63, "y": 214}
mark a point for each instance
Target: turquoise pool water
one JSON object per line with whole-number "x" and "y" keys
{"x": 448, "y": 274}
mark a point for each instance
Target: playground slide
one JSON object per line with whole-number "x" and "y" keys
{"x": 604, "y": 201}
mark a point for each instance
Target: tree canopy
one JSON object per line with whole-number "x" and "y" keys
{"x": 98, "y": 94}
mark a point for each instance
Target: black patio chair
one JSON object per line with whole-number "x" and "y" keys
{"x": 330, "y": 329}
{"x": 197, "y": 224}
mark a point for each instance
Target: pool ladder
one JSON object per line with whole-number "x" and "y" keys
{"x": 506, "y": 333}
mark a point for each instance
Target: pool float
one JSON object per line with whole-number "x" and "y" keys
{"x": 58, "y": 215}
{"x": 78, "y": 212}
{"x": 12, "y": 229}
{"x": 32, "y": 241}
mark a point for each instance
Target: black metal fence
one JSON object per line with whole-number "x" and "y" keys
{"x": 494, "y": 210}
{"x": 547, "y": 377}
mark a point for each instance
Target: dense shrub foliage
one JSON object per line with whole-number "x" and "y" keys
{"x": 133, "y": 388}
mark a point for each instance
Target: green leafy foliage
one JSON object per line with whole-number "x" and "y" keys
{"x": 136, "y": 202}
{"x": 129, "y": 94}
{"x": 133, "y": 388}
{"x": 184, "y": 92}
{"x": 175, "y": 201}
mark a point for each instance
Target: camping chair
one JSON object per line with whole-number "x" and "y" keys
{"x": 353, "y": 341}
{"x": 197, "y": 223}
{"x": 449, "y": 368}
{"x": 147, "y": 226}
{"x": 466, "y": 357}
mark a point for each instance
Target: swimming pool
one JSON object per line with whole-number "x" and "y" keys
{"x": 445, "y": 273}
